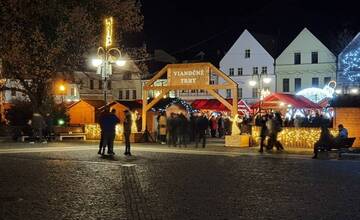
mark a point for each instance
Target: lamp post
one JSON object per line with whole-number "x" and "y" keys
{"x": 62, "y": 91}
{"x": 106, "y": 56}
{"x": 259, "y": 80}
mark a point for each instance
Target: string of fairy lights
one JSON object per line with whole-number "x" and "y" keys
{"x": 351, "y": 62}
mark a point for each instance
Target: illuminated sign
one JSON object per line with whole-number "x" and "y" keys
{"x": 190, "y": 75}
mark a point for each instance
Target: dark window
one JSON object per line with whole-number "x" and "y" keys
{"x": 247, "y": 53}
{"x": 255, "y": 70}
{"x": 239, "y": 93}
{"x": 228, "y": 93}
{"x": 127, "y": 76}
{"x": 327, "y": 80}
{"x": 109, "y": 84}
{"x": 264, "y": 70}
{"x": 297, "y": 58}
{"x": 240, "y": 71}
{"x": 13, "y": 92}
{"x": 315, "y": 82}
{"x": 286, "y": 85}
{"x": 231, "y": 71}
{"x": 120, "y": 94}
{"x": 91, "y": 84}
{"x": 297, "y": 84}
{"x": 127, "y": 94}
{"x": 134, "y": 94}
{"x": 314, "y": 57}
{"x": 254, "y": 93}
{"x": 100, "y": 84}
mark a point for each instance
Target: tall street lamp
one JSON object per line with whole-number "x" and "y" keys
{"x": 62, "y": 89}
{"x": 259, "y": 80}
{"x": 106, "y": 56}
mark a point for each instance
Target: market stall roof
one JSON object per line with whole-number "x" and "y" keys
{"x": 215, "y": 105}
{"x": 296, "y": 101}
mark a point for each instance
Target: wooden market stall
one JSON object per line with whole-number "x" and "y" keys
{"x": 189, "y": 76}
{"x": 84, "y": 111}
{"x": 347, "y": 112}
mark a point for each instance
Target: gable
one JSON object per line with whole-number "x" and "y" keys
{"x": 354, "y": 44}
{"x": 305, "y": 42}
{"x": 237, "y": 50}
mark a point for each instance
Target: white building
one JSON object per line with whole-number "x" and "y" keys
{"x": 123, "y": 84}
{"x": 248, "y": 60}
{"x": 305, "y": 63}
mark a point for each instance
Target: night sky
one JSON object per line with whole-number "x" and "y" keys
{"x": 184, "y": 27}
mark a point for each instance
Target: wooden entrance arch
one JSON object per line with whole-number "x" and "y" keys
{"x": 187, "y": 77}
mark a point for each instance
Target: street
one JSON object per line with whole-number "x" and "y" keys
{"x": 70, "y": 181}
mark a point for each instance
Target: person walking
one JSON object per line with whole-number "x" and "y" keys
{"x": 108, "y": 124}
{"x": 127, "y": 131}
{"x": 263, "y": 132}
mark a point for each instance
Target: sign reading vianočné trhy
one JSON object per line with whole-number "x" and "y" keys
{"x": 189, "y": 75}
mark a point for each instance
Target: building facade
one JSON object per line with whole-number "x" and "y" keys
{"x": 348, "y": 69}
{"x": 305, "y": 63}
{"x": 248, "y": 60}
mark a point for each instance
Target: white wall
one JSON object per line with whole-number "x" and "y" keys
{"x": 305, "y": 43}
{"x": 235, "y": 58}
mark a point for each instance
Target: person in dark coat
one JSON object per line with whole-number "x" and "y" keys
{"x": 127, "y": 131}
{"x": 171, "y": 130}
{"x": 108, "y": 124}
{"x": 101, "y": 147}
{"x": 202, "y": 125}
{"x": 325, "y": 141}
{"x": 263, "y": 132}
{"x": 38, "y": 124}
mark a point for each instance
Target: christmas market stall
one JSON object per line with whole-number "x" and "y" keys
{"x": 347, "y": 112}
{"x": 290, "y": 106}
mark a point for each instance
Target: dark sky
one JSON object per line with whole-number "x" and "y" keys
{"x": 184, "y": 27}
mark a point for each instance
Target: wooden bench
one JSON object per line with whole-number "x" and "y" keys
{"x": 70, "y": 132}
{"x": 72, "y": 135}
{"x": 340, "y": 148}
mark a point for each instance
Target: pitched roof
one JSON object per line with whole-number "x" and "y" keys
{"x": 96, "y": 103}
{"x": 297, "y": 101}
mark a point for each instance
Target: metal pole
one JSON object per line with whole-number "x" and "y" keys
{"x": 105, "y": 74}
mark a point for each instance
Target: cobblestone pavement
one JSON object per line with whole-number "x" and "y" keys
{"x": 72, "y": 182}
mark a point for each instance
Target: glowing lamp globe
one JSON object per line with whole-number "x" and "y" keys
{"x": 354, "y": 91}
{"x": 267, "y": 80}
{"x": 120, "y": 62}
{"x": 96, "y": 62}
{"x": 252, "y": 83}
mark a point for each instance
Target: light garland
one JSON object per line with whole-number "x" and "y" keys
{"x": 291, "y": 137}
{"x": 92, "y": 132}
{"x": 351, "y": 62}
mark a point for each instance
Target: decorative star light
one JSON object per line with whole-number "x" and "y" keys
{"x": 351, "y": 62}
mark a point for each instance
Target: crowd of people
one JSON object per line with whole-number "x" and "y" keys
{"x": 176, "y": 129}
